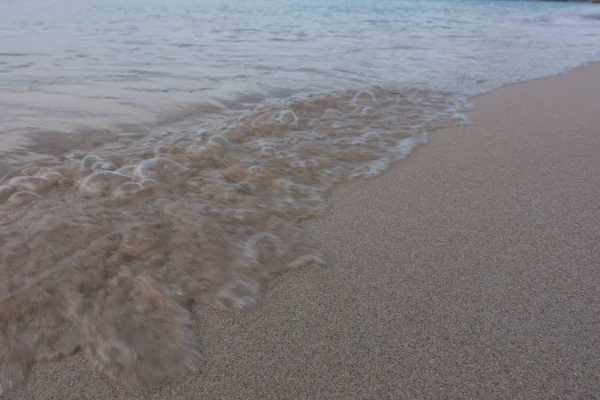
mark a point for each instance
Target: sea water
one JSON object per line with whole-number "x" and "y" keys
{"x": 160, "y": 155}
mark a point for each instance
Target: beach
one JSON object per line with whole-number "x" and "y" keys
{"x": 468, "y": 270}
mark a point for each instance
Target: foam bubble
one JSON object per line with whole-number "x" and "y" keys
{"x": 27, "y": 171}
{"x": 288, "y": 117}
{"x": 101, "y": 182}
{"x": 238, "y": 294}
{"x": 234, "y": 134}
{"x": 370, "y": 111}
{"x": 30, "y": 183}
{"x": 55, "y": 178}
{"x": 127, "y": 170}
{"x": 148, "y": 183}
{"x": 103, "y": 166}
{"x": 88, "y": 162}
{"x": 127, "y": 191}
{"x": 268, "y": 151}
{"x": 364, "y": 95}
{"x": 180, "y": 146}
{"x": 218, "y": 141}
{"x": 196, "y": 151}
{"x": 263, "y": 248}
{"x": 203, "y": 134}
{"x": 161, "y": 170}
{"x": 23, "y": 197}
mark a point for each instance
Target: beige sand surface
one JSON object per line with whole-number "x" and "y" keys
{"x": 471, "y": 270}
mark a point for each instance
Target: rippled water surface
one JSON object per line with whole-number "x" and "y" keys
{"x": 160, "y": 155}
{"x": 95, "y": 63}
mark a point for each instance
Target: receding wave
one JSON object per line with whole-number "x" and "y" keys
{"x": 105, "y": 250}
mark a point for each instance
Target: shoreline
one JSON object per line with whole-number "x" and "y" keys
{"x": 451, "y": 275}
{"x": 585, "y": 65}
{"x": 24, "y": 150}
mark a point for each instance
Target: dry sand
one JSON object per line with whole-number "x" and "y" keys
{"x": 472, "y": 270}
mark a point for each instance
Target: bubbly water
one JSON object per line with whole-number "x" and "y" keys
{"x": 161, "y": 154}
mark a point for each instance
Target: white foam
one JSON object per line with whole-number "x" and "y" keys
{"x": 406, "y": 146}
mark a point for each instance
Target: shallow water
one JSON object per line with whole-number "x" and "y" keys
{"x": 98, "y": 63}
{"x": 173, "y": 149}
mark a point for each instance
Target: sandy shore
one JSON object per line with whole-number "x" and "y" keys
{"x": 471, "y": 270}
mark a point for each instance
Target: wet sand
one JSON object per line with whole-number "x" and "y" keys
{"x": 470, "y": 270}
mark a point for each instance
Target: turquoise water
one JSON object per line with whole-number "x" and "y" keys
{"x": 173, "y": 148}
